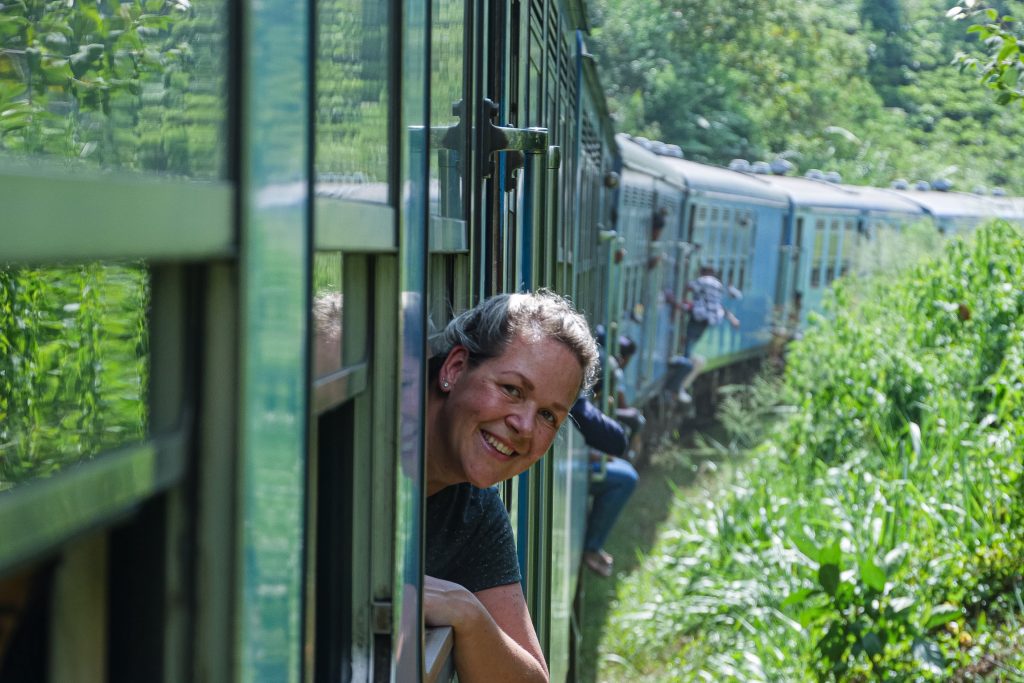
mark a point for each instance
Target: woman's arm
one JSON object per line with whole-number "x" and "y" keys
{"x": 494, "y": 637}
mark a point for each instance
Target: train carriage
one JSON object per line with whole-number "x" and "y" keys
{"x": 275, "y": 263}
{"x": 828, "y": 226}
{"x": 734, "y": 223}
{"x": 230, "y": 236}
{"x": 957, "y": 212}
{"x": 648, "y": 206}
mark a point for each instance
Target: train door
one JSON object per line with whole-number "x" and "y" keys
{"x": 372, "y": 183}
{"x": 526, "y": 247}
{"x": 789, "y": 291}
{"x": 684, "y": 267}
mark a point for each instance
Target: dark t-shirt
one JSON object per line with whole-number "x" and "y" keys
{"x": 469, "y": 538}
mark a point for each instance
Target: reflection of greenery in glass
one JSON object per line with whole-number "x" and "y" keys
{"x": 352, "y": 76}
{"x": 446, "y": 85}
{"x": 73, "y": 365}
{"x": 328, "y": 302}
{"x": 129, "y": 85}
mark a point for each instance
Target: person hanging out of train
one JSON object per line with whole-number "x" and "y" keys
{"x": 612, "y": 481}
{"x": 503, "y": 379}
{"x": 629, "y": 416}
{"x": 706, "y": 307}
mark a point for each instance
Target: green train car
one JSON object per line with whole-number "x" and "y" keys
{"x": 229, "y": 231}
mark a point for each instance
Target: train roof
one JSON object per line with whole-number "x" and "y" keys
{"x": 638, "y": 158}
{"x": 715, "y": 180}
{"x": 808, "y": 192}
{"x": 953, "y": 204}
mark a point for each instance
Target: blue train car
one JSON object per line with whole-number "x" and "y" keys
{"x": 649, "y": 205}
{"x": 957, "y": 212}
{"x": 828, "y": 228}
{"x": 734, "y": 223}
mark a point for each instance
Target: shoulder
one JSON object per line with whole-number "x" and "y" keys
{"x": 469, "y": 538}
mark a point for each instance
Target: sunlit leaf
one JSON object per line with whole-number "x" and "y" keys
{"x": 828, "y": 577}
{"x": 941, "y": 614}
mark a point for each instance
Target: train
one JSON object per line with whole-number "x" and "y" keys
{"x": 230, "y": 232}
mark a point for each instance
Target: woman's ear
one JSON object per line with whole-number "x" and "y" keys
{"x": 454, "y": 365}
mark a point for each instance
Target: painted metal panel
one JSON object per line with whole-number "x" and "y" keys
{"x": 57, "y": 216}
{"x": 275, "y": 255}
{"x": 413, "y": 240}
{"x": 39, "y": 515}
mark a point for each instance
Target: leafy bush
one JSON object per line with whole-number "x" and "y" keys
{"x": 878, "y": 533}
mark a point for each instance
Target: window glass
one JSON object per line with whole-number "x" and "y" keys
{"x": 328, "y": 306}
{"x": 446, "y": 83}
{"x": 353, "y": 48}
{"x": 134, "y": 86}
{"x": 73, "y": 365}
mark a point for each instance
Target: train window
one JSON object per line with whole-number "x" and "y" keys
{"x": 116, "y": 86}
{"x": 352, "y": 69}
{"x": 328, "y": 305}
{"x": 73, "y": 365}
{"x": 447, "y": 95}
{"x": 536, "y": 80}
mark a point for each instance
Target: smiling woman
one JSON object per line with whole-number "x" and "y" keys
{"x": 501, "y": 385}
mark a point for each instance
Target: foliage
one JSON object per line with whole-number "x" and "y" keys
{"x": 1001, "y": 34}
{"x": 878, "y": 533}
{"x": 866, "y": 89}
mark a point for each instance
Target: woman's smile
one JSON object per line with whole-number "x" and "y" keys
{"x": 497, "y": 445}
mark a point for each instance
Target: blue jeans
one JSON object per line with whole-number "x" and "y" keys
{"x": 678, "y": 368}
{"x": 694, "y": 331}
{"x": 610, "y": 496}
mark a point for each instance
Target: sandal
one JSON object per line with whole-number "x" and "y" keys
{"x": 596, "y": 563}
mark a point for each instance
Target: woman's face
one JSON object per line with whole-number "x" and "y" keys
{"x": 501, "y": 416}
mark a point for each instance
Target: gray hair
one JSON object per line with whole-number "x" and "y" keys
{"x": 487, "y": 329}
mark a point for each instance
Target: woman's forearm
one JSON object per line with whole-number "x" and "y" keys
{"x": 494, "y": 637}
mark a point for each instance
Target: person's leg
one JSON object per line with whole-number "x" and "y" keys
{"x": 679, "y": 368}
{"x": 610, "y": 496}
{"x": 694, "y": 331}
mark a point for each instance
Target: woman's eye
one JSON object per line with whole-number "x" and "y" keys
{"x": 550, "y": 417}
{"x": 512, "y": 390}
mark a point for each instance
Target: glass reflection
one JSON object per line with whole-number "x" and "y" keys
{"x": 446, "y": 83}
{"x": 126, "y": 86}
{"x": 328, "y": 305}
{"x": 352, "y": 64}
{"x": 73, "y": 365}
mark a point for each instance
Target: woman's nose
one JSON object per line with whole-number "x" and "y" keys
{"x": 521, "y": 420}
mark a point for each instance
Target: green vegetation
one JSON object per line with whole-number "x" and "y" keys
{"x": 867, "y": 87}
{"x": 877, "y": 533}
{"x": 1001, "y": 35}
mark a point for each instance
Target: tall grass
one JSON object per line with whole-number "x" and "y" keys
{"x": 876, "y": 532}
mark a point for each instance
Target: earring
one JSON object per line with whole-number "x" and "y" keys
{"x": 445, "y": 386}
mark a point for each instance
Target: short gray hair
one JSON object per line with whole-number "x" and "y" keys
{"x": 487, "y": 329}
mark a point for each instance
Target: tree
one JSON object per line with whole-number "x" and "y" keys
{"x": 1001, "y": 35}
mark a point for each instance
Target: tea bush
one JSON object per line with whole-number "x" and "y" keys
{"x": 877, "y": 533}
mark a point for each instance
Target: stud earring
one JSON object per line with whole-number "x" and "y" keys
{"x": 445, "y": 386}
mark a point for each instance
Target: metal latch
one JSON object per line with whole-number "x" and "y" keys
{"x": 381, "y": 617}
